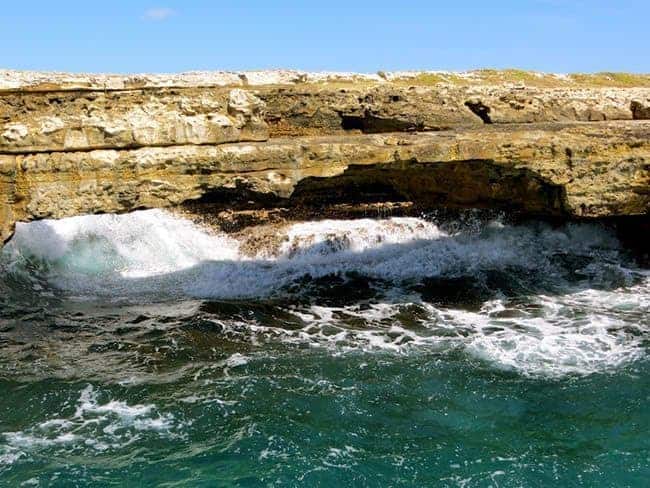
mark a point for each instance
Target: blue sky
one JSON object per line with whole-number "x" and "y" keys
{"x": 171, "y": 36}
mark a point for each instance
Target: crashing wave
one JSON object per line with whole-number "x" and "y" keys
{"x": 533, "y": 298}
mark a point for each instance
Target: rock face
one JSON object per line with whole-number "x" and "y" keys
{"x": 82, "y": 145}
{"x": 73, "y": 121}
{"x": 387, "y": 108}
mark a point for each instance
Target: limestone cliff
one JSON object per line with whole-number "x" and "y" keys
{"x": 550, "y": 146}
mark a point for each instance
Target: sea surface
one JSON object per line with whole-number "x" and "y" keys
{"x": 144, "y": 350}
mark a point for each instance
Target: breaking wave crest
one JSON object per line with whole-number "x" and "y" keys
{"x": 155, "y": 251}
{"x": 534, "y": 298}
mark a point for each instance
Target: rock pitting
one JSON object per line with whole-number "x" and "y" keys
{"x": 73, "y": 145}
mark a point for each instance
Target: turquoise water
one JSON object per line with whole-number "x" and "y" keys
{"x": 143, "y": 351}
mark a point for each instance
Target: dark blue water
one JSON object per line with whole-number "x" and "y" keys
{"x": 143, "y": 351}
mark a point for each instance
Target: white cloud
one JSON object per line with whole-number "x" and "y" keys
{"x": 158, "y": 13}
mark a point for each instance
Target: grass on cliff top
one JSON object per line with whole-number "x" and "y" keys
{"x": 505, "y": 77}
{"x": 481, "y": 77}
{"x": 613, "y": 79}
{"x": 528, "y": 78}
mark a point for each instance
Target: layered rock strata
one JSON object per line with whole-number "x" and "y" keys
{"x": 114, "y": 144}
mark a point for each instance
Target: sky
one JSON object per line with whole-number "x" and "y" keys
{"x": 330, "y": 35}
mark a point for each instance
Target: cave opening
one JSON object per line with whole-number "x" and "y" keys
{"x": 396, "y": 189}
{"x": 480, "y": 110}
{"x": 371, "y": 124}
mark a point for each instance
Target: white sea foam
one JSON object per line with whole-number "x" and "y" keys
{"x": 140, "y": 244}
{"x": 572, "y": 334}
{"x": 101, "y": 426}
{"x": 597, "y": 322}
{"x": 154, "y": 251}
{"x": 8, "y": 456}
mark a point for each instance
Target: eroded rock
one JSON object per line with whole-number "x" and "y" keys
{"x": 580, "y": 170}
{"x": 77, "y": 145}
{"x": 640, "y": 110}
{"x": 77, "y": 121}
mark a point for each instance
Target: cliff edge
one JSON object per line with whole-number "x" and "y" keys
{"x": 574, "y": 146}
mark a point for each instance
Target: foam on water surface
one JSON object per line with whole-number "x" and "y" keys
{"x": 159, "y": 252}
{"x": 531, "y": 298}
{"x": 93, "y": 424}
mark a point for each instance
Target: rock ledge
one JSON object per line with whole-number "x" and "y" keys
{"x": 540, "y": 144}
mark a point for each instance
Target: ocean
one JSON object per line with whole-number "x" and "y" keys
{"x": 475, "y": 350}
